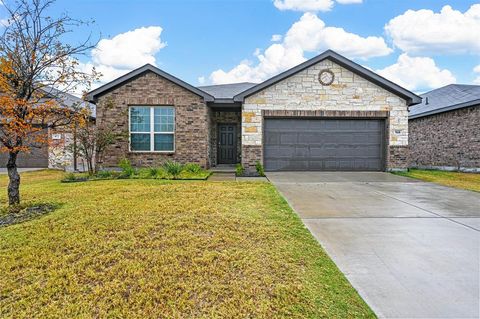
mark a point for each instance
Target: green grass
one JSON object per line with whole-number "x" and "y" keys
{"x": 469, "y": 181}
{"x": 169, "y": 249}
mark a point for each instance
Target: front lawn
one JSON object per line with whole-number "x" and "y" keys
{"x": 469, "y": 181}
{"x": 166, "y": 249}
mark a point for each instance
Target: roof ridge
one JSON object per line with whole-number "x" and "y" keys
{"x": 369, "y": 75}
{"x": 245, "y": 82}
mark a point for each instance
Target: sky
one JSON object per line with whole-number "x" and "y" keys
{"x": 419, "y": 44}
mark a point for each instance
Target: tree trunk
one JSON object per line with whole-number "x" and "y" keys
{"x": 14, "y": 180}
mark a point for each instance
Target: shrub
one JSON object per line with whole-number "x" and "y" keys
{"x": 259, "y": 168}
{"x": 104, "y": 174}
{"x": 192, "y": 168}
{"x": 148, "y": 172}
{"x": 70, "y": 177}
{"x": 127, "y": 168}
{"x": 161, "y": 173}
{"x": 239, "y": 170}
{"x": 153, "y": 171}
{"x": 173, "y": 168}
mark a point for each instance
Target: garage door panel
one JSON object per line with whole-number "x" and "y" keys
{"x": 310, "y": 138}
{"x": 279, "y": 152}
{"x": 288, "y": 138}
{"x": 36, "y": 157}
{"x": 301, "y": 151}
{"x": 324, "y": 144}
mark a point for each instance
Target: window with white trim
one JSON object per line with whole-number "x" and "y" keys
{"x": 152, "y": 128}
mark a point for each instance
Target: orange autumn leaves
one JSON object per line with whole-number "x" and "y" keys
{"x": 23, "y": 118}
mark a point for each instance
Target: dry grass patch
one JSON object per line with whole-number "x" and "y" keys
{"x": 152, "y": 248}
{"x": 468, "y": 181}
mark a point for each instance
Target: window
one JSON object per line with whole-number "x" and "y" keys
{"x": 152, "y": 129}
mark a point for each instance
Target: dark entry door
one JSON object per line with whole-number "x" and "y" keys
{"x": 324, "y": 144}
{"x": 227, "y": 144}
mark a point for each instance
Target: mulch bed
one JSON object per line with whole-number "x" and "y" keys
{"x": 12, "y": 216}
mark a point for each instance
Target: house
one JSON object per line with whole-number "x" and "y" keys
{"x": 445, "y": 129}
{"x": 327, "y": 113}
{"x": 58, "y": 153}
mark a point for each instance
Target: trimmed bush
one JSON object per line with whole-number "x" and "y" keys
{"x": 259, "y": 168}
{"x": 239, "y": 170}
{"x": 104, "y": 174}
{"x": 127, "y": 169}
{"x": 173, "y": 168}
{"x": 169, "y": 170}
{"x": 192, "y": 168}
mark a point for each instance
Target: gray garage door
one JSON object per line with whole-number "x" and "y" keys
{"x": 321, "y": 144}
{"x": 37, "y": 158}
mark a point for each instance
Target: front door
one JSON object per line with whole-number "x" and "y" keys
{"x": 227, "y": 144}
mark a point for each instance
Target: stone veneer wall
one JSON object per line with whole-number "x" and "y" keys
{"x": 221, "y": 117}
{"x": 449, "y": 140}
{"x": 302, "y": 91}
{"x": 149, "y": 89}
{"x": 60, "y": 152}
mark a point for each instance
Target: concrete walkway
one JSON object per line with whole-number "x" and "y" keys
{"x": 410, "y": 248}
{"x": 20, "y": 170}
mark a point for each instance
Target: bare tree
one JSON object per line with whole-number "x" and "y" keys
{"x": 35, "y": 59}
{"x": 91, "y": 142}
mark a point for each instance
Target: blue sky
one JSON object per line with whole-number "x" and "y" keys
{"x": 205, "y": 42}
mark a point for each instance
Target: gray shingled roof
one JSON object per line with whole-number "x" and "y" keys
{"x": 447, "y": 98}
{"x": 226, "y": 91}
{"x": 69, "y": 100}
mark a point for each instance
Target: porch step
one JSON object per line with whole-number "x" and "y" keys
{"x": 223, "y": 169}
{"x": 222, "y": 176}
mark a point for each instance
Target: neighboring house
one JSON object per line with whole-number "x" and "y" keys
{"x": 445, "y": 129}
{"x": 327, "y": 113}
{"x": 58, "y": 153}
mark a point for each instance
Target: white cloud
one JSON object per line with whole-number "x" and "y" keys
{"x": 477, "y": 70}
{"x": 276, "y": 38}
{"x": 310, "y": 5}
{"x": 130, "y": 49}
{"x": 201, "y": 79}
{"x": 5, "y": 22}
{"x": 449, "y": 31}
{"x": 304, "y": 5}
{"x": 349, "y": 1}
{"x": 417, "y": 73}
{"x": 309, "y": 34}
{"x": 125, "y": 52}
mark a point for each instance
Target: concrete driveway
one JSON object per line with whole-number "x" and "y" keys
{"x": 410, "y": 248}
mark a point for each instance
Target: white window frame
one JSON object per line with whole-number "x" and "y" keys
{"x": 152, "y": 128}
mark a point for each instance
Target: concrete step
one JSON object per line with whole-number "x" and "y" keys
{"x": 222, "y": 176}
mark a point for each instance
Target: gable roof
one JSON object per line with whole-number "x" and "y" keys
{"x": 447, "y": 98}
{"x": 91, "y": 96}
{"x": 226, "y": 91}
{"x": 68, "y": 100}
{"x": 344, "y": 62}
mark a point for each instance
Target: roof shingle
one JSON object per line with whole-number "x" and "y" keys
{"x": 446, "y": 98}
{"x": 226, "y": 91}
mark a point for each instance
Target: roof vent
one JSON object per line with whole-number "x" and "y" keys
{"x": 426, "y": 101}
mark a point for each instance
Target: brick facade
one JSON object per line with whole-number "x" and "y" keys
{"x": 149, "y": 89}
{"x": 251, "y": 154}
{"x": 449, "y": 140}
{"x": 304, "y": 94}
{"x": 398, "y": 157}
